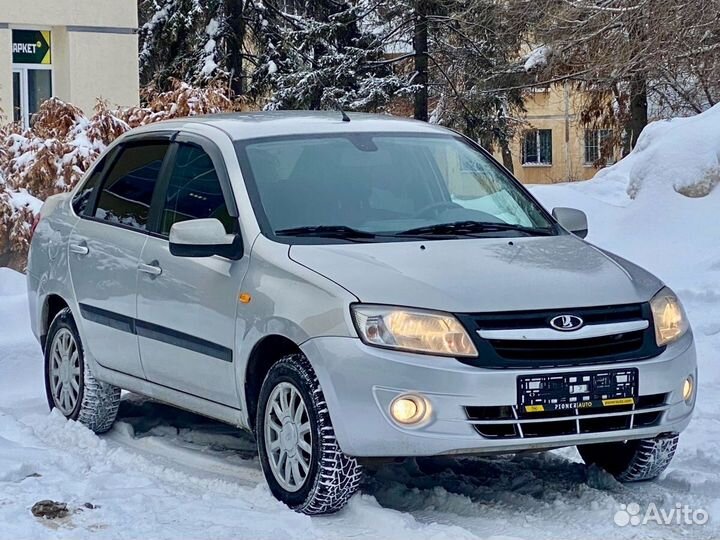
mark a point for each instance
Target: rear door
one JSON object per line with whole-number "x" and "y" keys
{"x": 105, "y": 249}
{"x": 187, "y": 307}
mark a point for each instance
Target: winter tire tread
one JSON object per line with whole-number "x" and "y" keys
{"x": 99, "y": 401}
{"x": 338, "y": 476}
{"x": 645, "y": 459}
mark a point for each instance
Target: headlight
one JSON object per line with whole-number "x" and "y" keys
{"x": 415, "y": 330}
{"x": 669, "y": 316}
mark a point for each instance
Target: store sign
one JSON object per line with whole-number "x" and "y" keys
{"x": 31, "y": 46}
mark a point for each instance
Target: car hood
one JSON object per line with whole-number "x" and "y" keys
{"x": 481, "y": 275}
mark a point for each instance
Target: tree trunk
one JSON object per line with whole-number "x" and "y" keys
{"x": 638, "y": 111}
{"x": 420, "y": 46}
{"x": 507, "y": 156}
{"x": 237, "y": 23}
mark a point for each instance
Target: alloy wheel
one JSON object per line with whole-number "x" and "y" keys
{"x": 288, "y": 436}
{"x": 64, "y": 371}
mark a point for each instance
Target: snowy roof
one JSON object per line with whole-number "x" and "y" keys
{"x": 239, "y": 126}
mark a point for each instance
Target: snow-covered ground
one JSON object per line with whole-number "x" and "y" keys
{"x": 162, "y": 473}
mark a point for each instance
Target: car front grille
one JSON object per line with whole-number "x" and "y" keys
{"x": 507, "y": 422}
{"x": 543, "y": 353}
{"x": 574, "y": 349}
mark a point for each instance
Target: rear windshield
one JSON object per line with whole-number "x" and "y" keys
{"x": 383, "y": 183}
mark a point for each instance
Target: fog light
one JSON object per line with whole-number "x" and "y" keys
{"x": 409, "y": 409}
{"x": 688, "y": 388}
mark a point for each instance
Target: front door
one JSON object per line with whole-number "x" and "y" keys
{"x": 31, "y": 88}
{"x": 187, "y": 307}
{"x": 105, "y": 249}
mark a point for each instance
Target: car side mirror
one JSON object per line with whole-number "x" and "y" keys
{"x": 204, "y": 238}
{"x": 572, "y": 219}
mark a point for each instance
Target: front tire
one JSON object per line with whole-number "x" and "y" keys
{"x": 69, "y": 385}
{"x": 301, "y": 459}
{"x": 632, "y": 461}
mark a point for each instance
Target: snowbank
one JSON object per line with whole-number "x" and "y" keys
{"x": 682, "y": 154}
{"x": 11, "y": 283}
{"x": 164, "y": 474}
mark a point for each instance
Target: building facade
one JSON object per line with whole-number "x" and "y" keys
{"x": 75, "y": 50}
{"x": 553, "y": 145}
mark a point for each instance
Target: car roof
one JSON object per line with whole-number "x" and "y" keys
{"x": 243, "y": 126}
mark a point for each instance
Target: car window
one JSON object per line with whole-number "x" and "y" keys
{"x": 84, "y": 194}
{"x": 127, "y": 192}
{"x": 381, "y": 183}
{"x": 194, "y": 191}
{"x": 337, "y": 180}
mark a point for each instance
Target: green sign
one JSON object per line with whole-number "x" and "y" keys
{"x": 31, "y": 46}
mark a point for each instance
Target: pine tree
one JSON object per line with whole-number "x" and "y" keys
{"x": 182, "y": 39}
{"x": 320, "y": 55}
{"x": 454, "y": 63}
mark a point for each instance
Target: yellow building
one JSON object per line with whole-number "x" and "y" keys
{"x": 76, "y": 50}
{"x": 553, "y": 145}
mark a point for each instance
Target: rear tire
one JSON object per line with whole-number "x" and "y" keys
{"x": 632, "y": 461}
{"x": 69, "y": 385}
{"x": 301, "y": 459}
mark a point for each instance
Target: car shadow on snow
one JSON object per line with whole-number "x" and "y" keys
{"x": 514, "y": 479}
{"x": 150, "y": 418}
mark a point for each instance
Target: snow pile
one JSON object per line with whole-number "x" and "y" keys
{"x": 538, "y": 59}
{"x": 681, "y": 153}
{"x": 162, "y": 473}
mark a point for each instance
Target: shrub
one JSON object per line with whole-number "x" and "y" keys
{"x": 63, "y": 142}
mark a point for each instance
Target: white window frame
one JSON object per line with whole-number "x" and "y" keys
{"x": 23, "y": 70}
{"x": 24, "y": 88}
{"x": 597, "y": 143}
{"x": 537, "y": 163}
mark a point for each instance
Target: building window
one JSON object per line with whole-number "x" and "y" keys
{"x": 537, "y": 147}
{"x": 32, "y": 73}
{"x": 596, "y": 141}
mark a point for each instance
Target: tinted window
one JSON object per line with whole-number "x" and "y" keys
{"x": 84, "y": 194}
{"x": 128, "y": 189}
{"x": 194, "y": 190}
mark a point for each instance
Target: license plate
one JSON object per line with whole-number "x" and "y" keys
{"x": 583, "y": 390}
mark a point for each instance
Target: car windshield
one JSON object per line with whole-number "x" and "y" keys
{"x": 384, "y": 186}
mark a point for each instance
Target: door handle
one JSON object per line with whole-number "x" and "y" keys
{"x": 79, "y": 249}
{"x": 153, "y": 269}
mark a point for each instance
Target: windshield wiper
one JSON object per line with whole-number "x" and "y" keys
{"x": 327, "y": 231}
{"x": 473, "y": 227}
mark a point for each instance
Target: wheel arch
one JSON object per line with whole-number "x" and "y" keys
{"x": 52, "y": 305}
{"x": 265, "y": 353}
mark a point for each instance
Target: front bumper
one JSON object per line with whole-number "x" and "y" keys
{"x": 359, "y": 382}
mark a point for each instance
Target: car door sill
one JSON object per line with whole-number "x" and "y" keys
{"x": 171, "y": 396}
